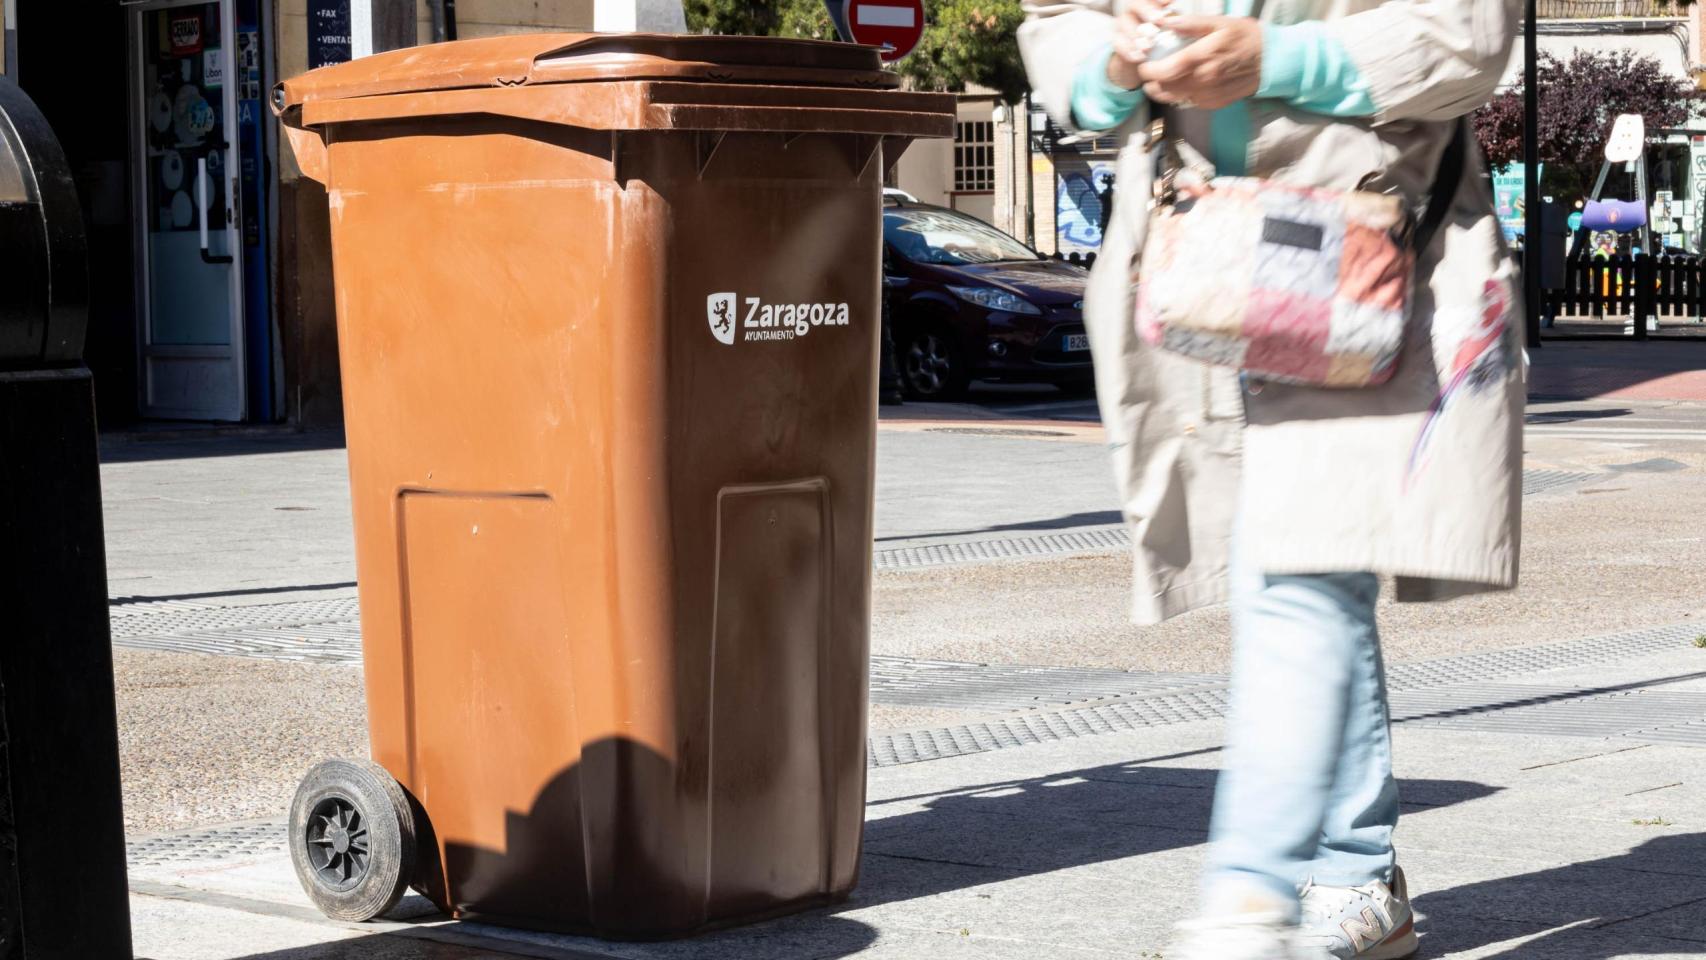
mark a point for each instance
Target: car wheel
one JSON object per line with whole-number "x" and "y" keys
{"x": 932, "y": 366}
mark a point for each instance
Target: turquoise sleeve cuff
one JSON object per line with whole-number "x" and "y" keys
{"x": 1097, "y": 103}
{"x": 1305, "y": 66}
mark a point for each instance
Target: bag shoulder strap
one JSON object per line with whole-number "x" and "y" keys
{"x": 1176, "y": 155}
{"x": 1444, "y": 187}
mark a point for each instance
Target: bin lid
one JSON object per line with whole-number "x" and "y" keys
{"x": 525, "y": 59}
{"x": 616, "y": 82}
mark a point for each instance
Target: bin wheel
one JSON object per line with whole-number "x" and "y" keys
{"x": 352, "y": 839}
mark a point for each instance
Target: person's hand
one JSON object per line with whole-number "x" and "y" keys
{"x": 1223, "y": 66}
{"x": 1134, "y": 34}
{"x": 1152, "y": 12}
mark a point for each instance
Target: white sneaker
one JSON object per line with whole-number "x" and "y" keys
{"x": 1251, "y": 936}
{"x": 1370, "y": 922}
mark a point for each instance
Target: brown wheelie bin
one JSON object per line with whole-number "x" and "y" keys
{"x": 608, "y": 320}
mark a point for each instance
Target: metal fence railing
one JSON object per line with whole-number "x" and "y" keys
{"x": 1667, "y": 290}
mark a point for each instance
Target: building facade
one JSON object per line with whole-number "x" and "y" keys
{"x": 1009, "y": 166}
{"x": 209, "y": 254}
{"x": 1668, "y": 33}
{"x": 1014, "y": 169}
{"x": 212, "y": 293}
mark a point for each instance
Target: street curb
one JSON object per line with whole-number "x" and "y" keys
{"x": 414, "y": 931}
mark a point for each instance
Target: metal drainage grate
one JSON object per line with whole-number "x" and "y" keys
{"x": 1550, "y": 711}
{"x": 132, "y": 606}
{"x": 320, "y": 631}
{"x": 1090, "y": 540}
{"x": 898, "y": 681}
{"x": 1451, "y": 692}
{"x": 218, "y": 843}
{"x": 891, "y": 749}
{"x": 1551, "y": 481}
{"x": 1109, "y": 539}
{"x": 998, "y": 431}
{"x": 313, "y": 643}
{"x": 292, "y": 614}
{"x": 1524, "y": 661}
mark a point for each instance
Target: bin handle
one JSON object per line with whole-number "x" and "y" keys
{"x": 201, "y": 212}
{"x": 636, "y": 105}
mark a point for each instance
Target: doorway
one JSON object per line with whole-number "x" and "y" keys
{"x": 186, "y": 164}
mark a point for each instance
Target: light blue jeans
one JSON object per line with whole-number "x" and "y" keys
{"x": 1306, "y": 789}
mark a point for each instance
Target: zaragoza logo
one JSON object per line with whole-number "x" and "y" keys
{"x": 720, "y": 314}
{"x": 769, "y": 321}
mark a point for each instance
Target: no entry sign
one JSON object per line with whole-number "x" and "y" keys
{"x": 894, "y": 25}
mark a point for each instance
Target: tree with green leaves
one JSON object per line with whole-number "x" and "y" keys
{"x": 965, "y": 43}
{"x": 969, "y": 42}
{"x": 761, "y": 18}
{"x": 1580, "y": 99}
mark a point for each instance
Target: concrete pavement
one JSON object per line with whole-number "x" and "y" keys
{"x": 1516, "y": 846}
{"x": 1031, "y": 797}
{"x": 1603, "y": 552}
{"x": 1620, "y": 369}
{"x": 262, "y": 519}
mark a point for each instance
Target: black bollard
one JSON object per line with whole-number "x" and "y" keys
{"x": 63, "y": 892}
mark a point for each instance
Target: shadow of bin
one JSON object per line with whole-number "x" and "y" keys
{"x": 608, "y": 314}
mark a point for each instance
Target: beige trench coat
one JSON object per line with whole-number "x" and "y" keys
{"x": 1419, "y": 478}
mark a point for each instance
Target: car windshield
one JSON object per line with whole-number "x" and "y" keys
{"x": 942, "y": 236}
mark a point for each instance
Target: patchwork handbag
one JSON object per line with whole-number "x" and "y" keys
{"x": 1289, "y": 284}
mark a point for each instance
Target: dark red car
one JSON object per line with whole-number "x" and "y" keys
{"x": 968, "y": 302}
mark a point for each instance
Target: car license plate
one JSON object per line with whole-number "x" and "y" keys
{"x": 1077, "y": 342}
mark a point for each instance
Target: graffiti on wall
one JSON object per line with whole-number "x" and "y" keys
{"x": 1082, "y": 199}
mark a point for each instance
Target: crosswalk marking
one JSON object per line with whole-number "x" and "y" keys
{"x": 1611, "y": 435}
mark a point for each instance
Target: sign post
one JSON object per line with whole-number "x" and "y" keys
{"x": 1531, "y": 292}
{"x": 894, "y": 25}
{"x": 837, "y": 10}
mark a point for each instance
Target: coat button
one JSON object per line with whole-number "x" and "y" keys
{"x": 1190, "y": 429}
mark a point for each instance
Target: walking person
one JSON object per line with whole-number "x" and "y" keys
{"x": 1385, "y": 444}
